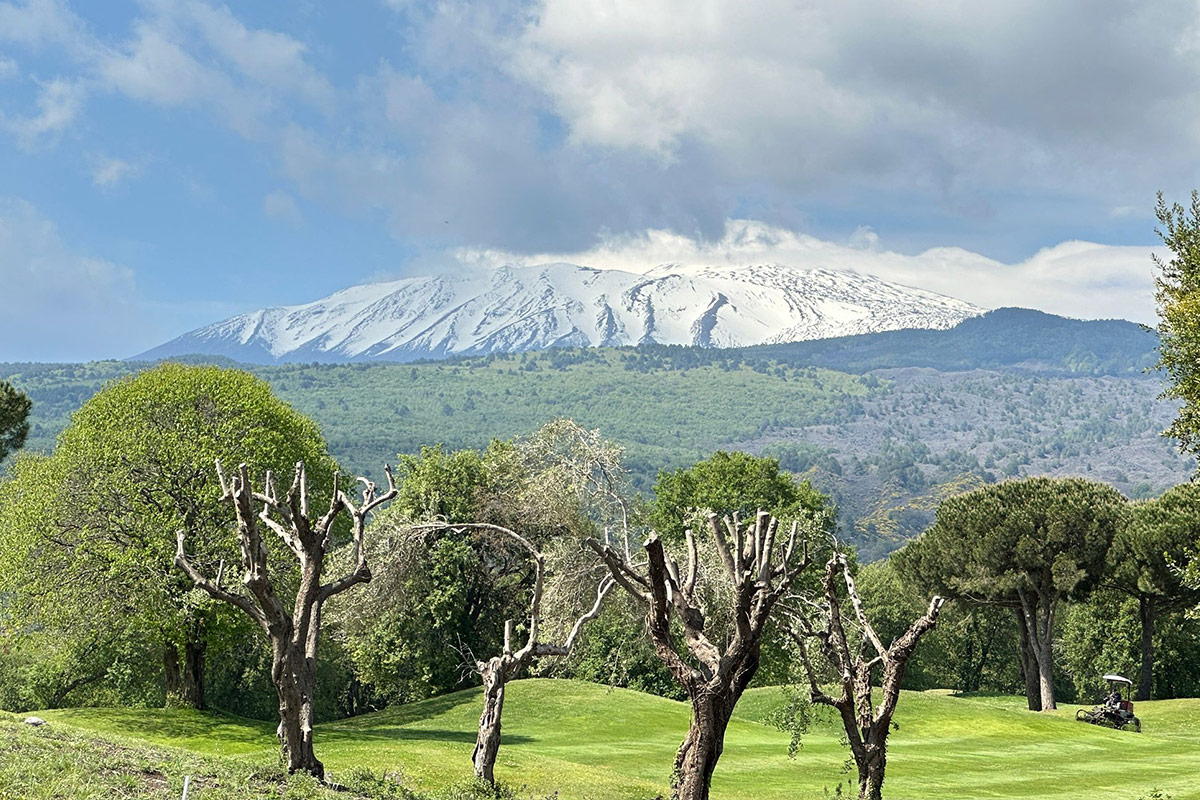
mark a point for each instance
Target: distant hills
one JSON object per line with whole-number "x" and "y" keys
{"x": 516, "y": 309}
{"x": 1004, "y": 338}
{"x": 888, "y": 423}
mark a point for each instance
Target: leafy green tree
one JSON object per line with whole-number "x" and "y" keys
{"x": 14, "y": 418}
{"x": 98, "y": 519}
{"x": 1178, "y": 296}
{"x": 442, "y": 593}
{"x": 1027, "y": 545}
{"x": 729, "y": 483}
{"x": 1147, "y": 561}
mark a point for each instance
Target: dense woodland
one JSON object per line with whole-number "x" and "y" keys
{"x": 194, "y": 538}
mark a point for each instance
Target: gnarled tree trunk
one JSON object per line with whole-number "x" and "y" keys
{"x": 867, "y": 726}
{"x": 293, "y": 632}
{"x": 705, "y": 741}
{"x": 759, "y": 570}
{"x": 487, "y": 741}
{"x": 294, "y": 675}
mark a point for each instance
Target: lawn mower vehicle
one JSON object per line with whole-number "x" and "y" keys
{"x": 1117, "y": 709}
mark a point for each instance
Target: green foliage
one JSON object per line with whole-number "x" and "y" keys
{"x": 970, "y": 650}
{"x": 616, "y": 651}
{"x": 436, "y": 485}
{"x": 1152, "y": 554}
{"x": 1033, "y": 535}
{"x": 729, "y": 483}
{"x": 863, "y": 440}
{"x": 14, "y": 418}
{"x": 1178, "y": 296}
{"x": 90, "y": 564}
{"x": 1102, "y": 635}
{"x": 440, "y": 597}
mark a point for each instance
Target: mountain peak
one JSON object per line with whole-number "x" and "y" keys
{"x": 515, "y": 308}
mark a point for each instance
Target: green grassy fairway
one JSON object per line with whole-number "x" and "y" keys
{"x": 592, "y": 742}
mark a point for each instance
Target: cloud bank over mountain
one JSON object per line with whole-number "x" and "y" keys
{"x": 224, "y": 153}
{"x": 1073, "y": 279}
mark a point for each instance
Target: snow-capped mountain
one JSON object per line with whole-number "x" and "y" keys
{"x": 552, "y": 305}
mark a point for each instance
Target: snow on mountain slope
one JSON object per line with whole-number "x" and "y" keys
{"x": 525, "y": 308}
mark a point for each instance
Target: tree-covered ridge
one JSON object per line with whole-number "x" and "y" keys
{"x": 888, "y": 444}
{"x": 666, "y": 418}
{"x": 1007, "y": 338}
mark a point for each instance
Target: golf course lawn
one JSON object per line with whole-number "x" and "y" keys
{"x": 590, "y": 741}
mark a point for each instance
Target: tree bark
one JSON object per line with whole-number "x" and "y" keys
{"x": 171, "y": 675}
{"x": 1038, "y": 612}
{"x": 1045, "y": 664}
{"x": 295, "y": 679}
{"x": 870, "y": 777}
{"x": 760, "y": 569}
{"x": 193, "y": 674}
{"x": 487, "y": 741}
{"x": 701, "y": 749}
{"x": 1148, "y": 613}
{"x": 867, "y": 726}
{"x": 1029, "y": 669}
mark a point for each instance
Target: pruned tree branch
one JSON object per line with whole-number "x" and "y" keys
{"x": 294, "y": 633}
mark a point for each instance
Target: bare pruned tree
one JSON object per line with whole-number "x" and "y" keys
{"x": 867, "y": 724}
{"x": 759, "y": 570}
{"x": 293, "y": 632}
{"x": 497, "y": 671}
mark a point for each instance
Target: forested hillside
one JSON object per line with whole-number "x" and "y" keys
{"x": 887, "y": 444}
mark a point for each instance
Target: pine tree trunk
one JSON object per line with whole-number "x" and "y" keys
{"x": 1044, "y": 653}
{"x": 193, "y": 674}
{"x": 487, "y": 742}
{"x": 1147, "y": 612}
{"x": 1029, "y": 669}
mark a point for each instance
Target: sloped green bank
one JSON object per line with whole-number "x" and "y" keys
{"x": 589, "y": 741}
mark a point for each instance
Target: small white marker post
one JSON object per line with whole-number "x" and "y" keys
{"x": 187, "y": 780}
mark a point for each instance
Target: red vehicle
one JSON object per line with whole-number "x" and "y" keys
{"x": 1117, "y": 709}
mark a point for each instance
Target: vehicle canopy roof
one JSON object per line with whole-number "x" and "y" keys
{"x": 1118, "y": 679}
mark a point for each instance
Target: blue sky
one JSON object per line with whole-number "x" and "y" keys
{"x": 165, "y": 164}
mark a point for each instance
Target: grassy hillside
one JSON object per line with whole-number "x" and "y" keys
{"x": 587, "y": 741}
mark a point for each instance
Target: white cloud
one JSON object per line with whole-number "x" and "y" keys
{"x": 8, "y": 68}
{"x": 58, "y": 303}
{"x": 1074, "y": 279}
{"x": 268, "y": 58}
{"x": 108, "y": 172}
{"x": 280, "y": 205}
{"x": 59, "y": 102}
{"x": 37, "y": 23}
{"x": 949, "y": 96}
